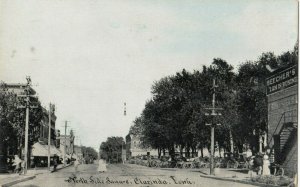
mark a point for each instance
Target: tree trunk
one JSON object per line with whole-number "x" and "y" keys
{"x": 188, "y": 152}
{"x": 172, "y": 152}
{"x": 201, "y": 150}
{"x": 3, "y": 151}
{"x": 159, "y": 152}
{"x": 164, "y": 151}
{"x": 231, "y": 141}
{"x": 181, "y": 150}
{"x": 193, "y": 152}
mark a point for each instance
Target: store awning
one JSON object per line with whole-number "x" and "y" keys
{"x": 39, "y": 149}
{"x": 54, "y": 150}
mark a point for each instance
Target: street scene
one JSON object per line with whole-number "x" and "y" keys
{"x": 149, "y": 93}
{"x": 124, "y": 175}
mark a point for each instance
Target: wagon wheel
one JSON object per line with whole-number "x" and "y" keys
{"x": 186, "y": 165}
{"x": 193, "y": 165}
{"x": 159, "y": 164}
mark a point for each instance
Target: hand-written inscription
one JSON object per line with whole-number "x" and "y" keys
{"x": 144, "y": 180}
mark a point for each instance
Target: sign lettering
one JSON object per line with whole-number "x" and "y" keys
{"x": 282, "y": 80}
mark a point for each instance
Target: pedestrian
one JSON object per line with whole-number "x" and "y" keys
{"x": 265, "y": 167}
{"x": 76, "y": 164}
{"x": 22, "y": 167}
{"x": 258, "y": 163}
{"x": 102, "y": 166}
{"x": 251, "y": 167}
{"x": 17, "y": 163}
{"x": 54, "y": 163}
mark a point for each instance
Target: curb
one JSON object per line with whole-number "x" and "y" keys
{"x": 239, "y": 181}
{"x": 17, "y": 181}
{"x": 27, "y": 178}
{"x": 61, "y": 168}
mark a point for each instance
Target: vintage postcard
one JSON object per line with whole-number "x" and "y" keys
{"x": 149, "y": 93}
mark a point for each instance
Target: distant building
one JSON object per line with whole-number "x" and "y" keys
{"x": 134, "y": 147}
{"x": 66, "y": 144}
{"x": 40, "y": 149}
{"x": 78, "y": 152}
{"x": 57, "y": 141}
{"x": 44, "y": 128}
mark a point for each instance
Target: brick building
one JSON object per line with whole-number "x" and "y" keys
{"x": 282, "y": 94}
{"x": 66, "y": 145}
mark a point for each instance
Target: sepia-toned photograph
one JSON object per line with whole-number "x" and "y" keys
{"x": 149, "y": 93}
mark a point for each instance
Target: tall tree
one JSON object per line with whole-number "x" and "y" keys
{"x": 111, "y": 149}
{"x": 12, "y": 120}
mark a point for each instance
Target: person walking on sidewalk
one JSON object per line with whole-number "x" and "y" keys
{"x": 54, "y": 163}
{"x": 17, "y": 163}
{"x": 22, "y": 167}
{"x": 76, "y": 164}
{"x": 265, "y": 167}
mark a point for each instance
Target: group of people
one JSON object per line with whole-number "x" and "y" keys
{"x": 260, "y": 164}
{"x": 19, "y": 164}
{"x": 101, "y": 166}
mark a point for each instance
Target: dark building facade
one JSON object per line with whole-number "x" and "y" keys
{"x": 282, "y": 94}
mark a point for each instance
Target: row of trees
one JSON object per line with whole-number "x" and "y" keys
{"x": 111, "y": 149}
{"x": 89, "y": 154}
{"x": 175, "y": 115}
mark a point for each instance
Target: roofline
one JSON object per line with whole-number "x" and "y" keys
{"x": 17, "y": 85}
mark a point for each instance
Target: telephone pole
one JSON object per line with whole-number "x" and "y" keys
{"x": 213, "y": 114}
{"x": 123, "y": 152}
{"x": 51, "y": 109}
{"x": 66, "y": 125}
{"x": 27, "y": 106}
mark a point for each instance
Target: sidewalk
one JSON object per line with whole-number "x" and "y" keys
{"x": 9, "y": 179}
{"x": 224, "y": 174}
{"x": 233, "y": 175}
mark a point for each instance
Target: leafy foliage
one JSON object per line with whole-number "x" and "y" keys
{"x": 175, "y": 116}
{"x": 89, "y": 153}
{"x": 12, "y": 120}
{"x": 111, "y": 149}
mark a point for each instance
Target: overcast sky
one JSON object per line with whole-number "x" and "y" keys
{"x": 90, "y": 56}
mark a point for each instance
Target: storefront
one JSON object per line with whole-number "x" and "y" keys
{"x": 39, "y": 156}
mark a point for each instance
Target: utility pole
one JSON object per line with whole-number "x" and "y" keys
{"x": 66, "y": 125}
{"x": 51, "y": 109}
{"x": 27, "y": 106}
{"x": 213, "y": 114}
{"x": 124, "y": 156}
